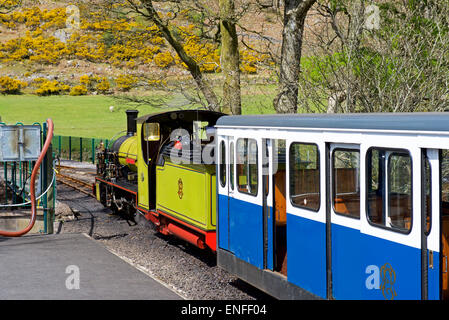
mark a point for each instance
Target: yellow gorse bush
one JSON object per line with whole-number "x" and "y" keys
{"x": 85, "y": 80}
{"x": 125, "y": 82}
{"x": 50, "y": 87}
{"x": 80, "y": 90}
{"x": 103, "y": 85}
{"x": 34, "y": 17}
{"x": 39, "y": 49}
{"x": 11, "y": 86}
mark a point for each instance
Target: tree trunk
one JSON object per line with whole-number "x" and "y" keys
{"x": 295, "y": 12}
{"x": 230, "y": 62}
{"x": 357, "y": 12}
{"x": 191, "y": 64}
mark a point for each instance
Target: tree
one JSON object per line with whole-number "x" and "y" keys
{"x": 295, "y": 12}
{"x": 146, "y": 9}
{"x": 230, "y": 60}
{"x": 210, "y": 26}
{"x": 399, "y": 64}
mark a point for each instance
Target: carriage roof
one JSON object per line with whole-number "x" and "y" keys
{"x": 429, "y": 122}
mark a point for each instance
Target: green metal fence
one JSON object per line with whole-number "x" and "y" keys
{"x": 77, "y": 148}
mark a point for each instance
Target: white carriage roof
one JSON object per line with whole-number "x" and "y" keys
{"x": 432, "y": 121}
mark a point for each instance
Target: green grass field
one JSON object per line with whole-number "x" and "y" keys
{"x": 85, "y": 116}
{"x": 89, "y": 116}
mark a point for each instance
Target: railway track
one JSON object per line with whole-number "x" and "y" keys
{"x": 62, "y": 167}
{"x": 79, "y": 185}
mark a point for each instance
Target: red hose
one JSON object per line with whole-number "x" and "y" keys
{"x": 33, "y": 186}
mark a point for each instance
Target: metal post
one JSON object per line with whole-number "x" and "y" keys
{"x": 13, "y": 182}
{"x": 81, "y": 149}
{"x": 59, "y": 145}
{"x": 93, "y": 151}
{"x": 70, "y": 148}
{"x": 20, "y": 174}
{"x": 5, "y": 168}
{"x": 50, "y": 196}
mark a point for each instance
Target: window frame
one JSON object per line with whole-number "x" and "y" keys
{"x": 248, "y": 175}
{"x": 232, "y": 165}
{"x": 333, "y": 181}
{"x": 223, "y": 164}
{"x": 318, "y": 153}
{"x": 145, "y": 131}
{"x": 386, "y": 191}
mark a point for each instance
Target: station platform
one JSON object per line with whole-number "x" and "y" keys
{"x": 71, "y": 267}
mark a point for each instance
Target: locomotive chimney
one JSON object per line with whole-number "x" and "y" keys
{"x": 132, "y": 121}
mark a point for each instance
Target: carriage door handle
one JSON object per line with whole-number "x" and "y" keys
{"x": 445, "y": 264}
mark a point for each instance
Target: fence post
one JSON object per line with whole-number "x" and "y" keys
{"x": 59, "y": 145}
{"x": 70, "y": 147}
{"x": 93, "y": 150}
{"x": 81, "y": 149}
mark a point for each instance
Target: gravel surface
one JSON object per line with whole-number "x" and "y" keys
{"x": 189, "y": 271}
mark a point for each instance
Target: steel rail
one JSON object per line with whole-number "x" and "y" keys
{"x": 67, "y": 180}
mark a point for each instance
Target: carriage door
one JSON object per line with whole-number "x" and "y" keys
{"x": 391, "y": 233}
{"x": 344, "y": 213}
{"x": 279, "y": 217}
{"x": 430, "y": 234}
{"x": 267, "y": 199}
{"x": 225, "y": 189}
{"x": 274, "y": 204}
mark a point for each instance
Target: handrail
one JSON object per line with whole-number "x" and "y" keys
{"x": 33, "y": 186}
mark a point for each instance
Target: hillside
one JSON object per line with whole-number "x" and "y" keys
{"x": 44, "y": 51}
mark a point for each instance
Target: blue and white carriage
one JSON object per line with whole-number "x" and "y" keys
{"x": 335, "y": 206}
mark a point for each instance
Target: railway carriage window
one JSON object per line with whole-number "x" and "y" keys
{"x": 247, "y": 166}
{"x": 389, "y": 177}
{"x": 376, "y": 190}
{"x": 346, "y": 178}
{"x": 223, "y": 164}
{"x": 305, "y": 176}
{"x": 231, "y": 165}
{"x": 400, "y": 191}
{"x": 253, "y": 168}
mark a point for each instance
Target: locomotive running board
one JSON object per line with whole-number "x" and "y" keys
{"x": 267, "y": 281}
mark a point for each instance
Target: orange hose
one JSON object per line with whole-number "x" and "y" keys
{"x": 33, "y": 186}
